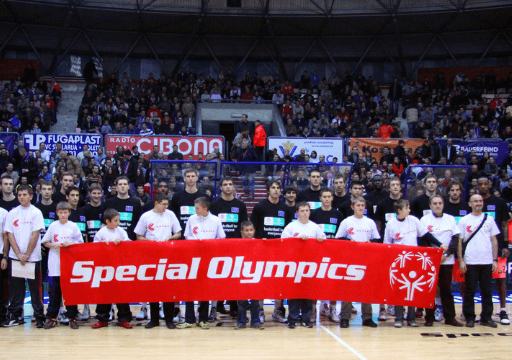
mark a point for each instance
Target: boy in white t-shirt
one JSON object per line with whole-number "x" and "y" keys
{"x": 357, "y": 228}
{"x": 303, "y": 229}
{"x": 405, "y": 229}
{"x": 23, "y": 225}
{"x": 159, "y": 224}
{"x": 112, "y": 233}
{"x": 62, "y": 233}
{"x": 201, "y": 226}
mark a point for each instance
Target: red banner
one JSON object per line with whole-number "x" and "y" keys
{"x": 376, "y": 146}
{"x": 186, "y": 144}
{"x": 236, "y": 269}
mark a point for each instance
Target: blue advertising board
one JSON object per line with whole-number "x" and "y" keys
{"x": 71, "y": 143}
{"x": 497, "y": 149}
{"x": 10, "y": 140}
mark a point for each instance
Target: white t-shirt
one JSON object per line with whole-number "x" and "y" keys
{"x": 22, "y": 222}
{"x": 58, "y": 233}
{"x": 359, "y": 230}
{"x": 3, "y": 217}
{"x": 443, "y": 229}
{"x": 404, "y": 232}
{"x": 204, "y": 227}
{"x": 479, "y": 250}
{"x": 105, "y": 234}
{"x": 156, "y": 226}
{"x": 298, "y": 229}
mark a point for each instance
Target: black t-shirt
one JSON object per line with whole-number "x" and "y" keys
{"x": 339, "y": 200}
{"x": 376, "y": 198}
{"x": 419, "y": 206}
{"x": 9, "y": 205}
{"x": 57, "y": 197}
{"x": 182, "y": 204}
{"x": 93, "y": 215}
{"x": 130, "y": 211}
{"x": 506, "y": 194}
{"x": 311, "y": 196}
{"x": 498, "y": 209}
{"x": 49, "y": 214}
{"x": 232, "y": 214}
{"x": 346, "y": 209}
{"x": 270, "y": 219}
{"x": 385, "y": 212}
{"x": 456, "y": 210}
{"x": 78, "y": 217}
{"x": 329, "y": 221}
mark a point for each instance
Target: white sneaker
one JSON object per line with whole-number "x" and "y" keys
{"x": 382, "y": 315}
{"x": 334, "y": 316}
{"x": 143, "y": 314}
{"x": 438, "y": 313}
{"x": 325, "y": 310}
{"x": 262, "y": 316}
{"x": 391, "y": 310}
{"x": 162, "y": 315}
{"x": 84, "y": 315}
{"x": 61, "y": 318}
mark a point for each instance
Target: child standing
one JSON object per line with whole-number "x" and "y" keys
{"x": 62, "y": 233}
{"x": 112, "y": 233}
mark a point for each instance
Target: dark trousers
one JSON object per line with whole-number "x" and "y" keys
{"x": 190, "y": 315}
{"x": 168, "y": 311}
{"x": 478, "y": 274}
{"x": 255, "y": 312}
{"x": 123, "y": 312}
{"x": 55, "y": 299}
{"x": 3, "y": 308}
{"x": 399, "y": 312}
{"x": 445, "y": 286}
{"x": 294, "y": 309}
{"x": 17, "y": 293}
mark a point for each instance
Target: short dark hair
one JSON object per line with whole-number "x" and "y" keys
{"x": 95, "y": 186}
{"x": 63, "y": 205}
{"x": 401, "y": 204}
{"x": 226, "y": 178}
{"x": 302, "y": 204}
{"x": 324, "y": 190}
{"x": 72, "y": 188}
{"x": 26, "y": 188}
{"x": 122, "y": 178}
{"x": 272, "y": 182}
{"x": 290, "y": 188}
{"x": 454, "y": 183}
{"x": 245, "y": 224}
{"x": 203, "y": 201}
{"x": 110, "y": 214}
{"x": 46, "y": 183}
{"x": 161, "y": 197}
{"x": 355, "y": 182}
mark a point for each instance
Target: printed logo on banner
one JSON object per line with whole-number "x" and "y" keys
{"x": 71, "y": 143}
{"x": 288, "y": 146}
{"x": 412, "y": 272}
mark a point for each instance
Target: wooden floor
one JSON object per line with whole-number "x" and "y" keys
{"x": 325, "y": 341}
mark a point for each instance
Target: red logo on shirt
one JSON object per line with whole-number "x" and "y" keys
{"x": 468, "y": 229}
{"x": 350, "y": 231}
{"x": 296, "y": 234}
{"x": 150, "y": 227}
{"x": 194, "y": 230}
{"x": 16, "y": 222}
{"x": 430, "y": 228}
{"x": 55, "y": 238}
{"x": 397, "y": 236}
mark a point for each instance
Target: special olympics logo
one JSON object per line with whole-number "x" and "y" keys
{"x": 412, "y": 271}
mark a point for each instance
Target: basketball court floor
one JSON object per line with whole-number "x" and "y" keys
{"x": 325, "y": 341}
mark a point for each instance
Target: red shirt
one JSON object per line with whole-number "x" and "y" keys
{"x": 385, "y": 131}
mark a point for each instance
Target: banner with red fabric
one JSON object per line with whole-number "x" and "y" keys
{"x": 235, "y": 269}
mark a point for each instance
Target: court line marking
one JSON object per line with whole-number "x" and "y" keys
{"x": 354, "y": 351}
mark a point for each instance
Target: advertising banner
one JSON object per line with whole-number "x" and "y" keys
{"x": 497, "y": 149}
{"x": 376, "y": 146}
{"x": 71, "y": 143}
{"x": 186, "y": 144}
{"x": 98, "y": 273}
{"x": 330, "y": 147}
{"x": 10, "y": 139}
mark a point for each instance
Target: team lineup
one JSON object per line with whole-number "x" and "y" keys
{"x": 472, "y": 236}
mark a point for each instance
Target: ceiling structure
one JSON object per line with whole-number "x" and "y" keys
{"x": 403, "y": 32}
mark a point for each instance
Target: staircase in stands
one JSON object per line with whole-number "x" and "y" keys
{"x": 260, "y": 191}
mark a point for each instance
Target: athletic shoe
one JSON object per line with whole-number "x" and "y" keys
{"x": 279, "y": 316}
{"x": 412, "y": 323}
{"x": 369, "y": 323}
{"x": 143, "y": 314}
{"x": 382, "y": 315}
{"x": 151, "y": 324}
{"x": 504, "y": 320}
{"x": 391, "y": 310}
{"x": 170, "y": 325}
{"x": 344, "y": 323}
{"x": 50, "y": 324}
{"x": 125, "y": 324}
{"x": 325, "y": 310}
{"x": 398, "y": 324}
{"x": 213, "y": 314}
{"x": 177, "y": 313}
{"x": 185, "y": 326}
{"x": 204, "y": 325}
{"x": 334, "y": 316}
{"x": 307, "y": 324}
{"x": 99, "y": 325}
{"x": 438, "y": 313}
{"x": 85, "y": 315}
{"x": 240, "y": 326}
{"x": 161, "y": 313}
{"x": 39, "y": 323}
{"x": 262, "y": 316}
{"x": 489, "y": 323}
{"x": 419, "y": 313}
{"x": 62, "y": 318}
{"x": 72, "y": 324}
{"x": 112, "y": 315}
{"x": 291, "y": 325}
{"x": 354, "y": 310}
{"x": 257, "y": 327}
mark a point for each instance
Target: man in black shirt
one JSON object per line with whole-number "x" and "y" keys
{"x": 327, "y": 217}
{"x": 356, "y": 190}
{"x": 163, "y": 187}
{"x": 386, "y": 208}
{"x": 66, "y": 182}
{"x": 420, "y": 206}
{"x": 340, "y": 191}
{"x": 312, "y": 194}
{"x": 93, "y": 211}
{"x": 453, "y": 204}
{"x": 49, "y": 210}
{"x": 378, "y": 193}
{"x": 8, "y": 201}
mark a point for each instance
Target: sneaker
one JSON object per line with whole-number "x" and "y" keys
{"x": 50, "y": 324}
{"x": 99, "y": 325}
{"x": 204, "y": 325}
{"x": 504, "y": 320}
{"x": 125, "y": 324}
{"x": 489, "y": 323}
{"x": 291, "y": 325}
{"x": 325, "y": 310}
{"x": 151, "y": 324}
{"x": 419, "y": 313}
{"x": 213, "y": 314}
{"x": 85, "y": 315}
{"x": 344, "y": 323}
{"x": 62, "y": 318}
{"x": 438, "y": 313}
{"x": 161, "y": 312}
{"x": 369, "y": 323}
{"x": 177, "y": 313}
{"x": 307, "y": 324}
{"x": 391, "y": 310}
{"x": 412, "y": 323}
{"x": 398, "y": 324}
{"x": 72, "y": 324}
{"x": 382, "y": 315}
{"x": 112, "y": 315}
{"x": 39, "y": 323}
{"x": 240, "y": 326}
{"x": 334, "y": 316}
{"x": 257, "y": 327}
{"x": 279, "y": 316}
{"x": 185, "y": 326}
{"x": 262, "y": 316}
{"x": 143, "y": 314}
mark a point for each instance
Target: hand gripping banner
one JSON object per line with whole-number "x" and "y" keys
{"x": 238, "y": 269}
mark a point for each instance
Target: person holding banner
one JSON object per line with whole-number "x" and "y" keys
{"x": 303, "y": 229}
{"x": 159, "y": 224}
{"x": 358, "y": 228}
{"x": 478, "y": 258}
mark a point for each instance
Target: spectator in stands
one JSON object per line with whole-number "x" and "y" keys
{"x": 247, "y": 154}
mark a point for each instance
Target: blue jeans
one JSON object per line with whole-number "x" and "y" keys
{"x": 393, "y": 106}
{"x": 248, "y": 183}
{"x": 255, "y": 312}
{"x": 296, "y": 306}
